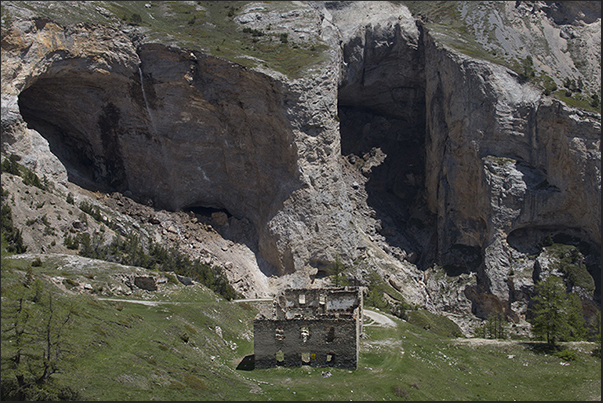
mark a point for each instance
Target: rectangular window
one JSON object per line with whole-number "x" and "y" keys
{"x": 331, "y": 335}
{"x": 302, "y": 299}
{"x": 305, "y": 334}
{"x": 305, "y": 358}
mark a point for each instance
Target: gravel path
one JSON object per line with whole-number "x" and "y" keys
{"x": 377, "y": 319}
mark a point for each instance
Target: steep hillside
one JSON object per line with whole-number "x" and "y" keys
{"x": 450, "y": 148}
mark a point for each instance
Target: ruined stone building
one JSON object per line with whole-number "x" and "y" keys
{"x": 318, "y": 327}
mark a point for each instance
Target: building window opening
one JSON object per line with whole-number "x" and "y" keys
{"x": 280, "y": 356}
{"x": 305, "y": 334}
{"x": 279, "y": 334}
{"x": 322, "y": 299}
{"x": 305, "y": 358}
{"x": 330, "y": 357}
{"x": 331, "y": 335}
{"x": 302, "y": 299}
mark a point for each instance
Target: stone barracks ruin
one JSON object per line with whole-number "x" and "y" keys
{"x": 317, "y": 327}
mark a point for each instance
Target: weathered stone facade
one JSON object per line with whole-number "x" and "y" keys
{"x": 316, "y": 327}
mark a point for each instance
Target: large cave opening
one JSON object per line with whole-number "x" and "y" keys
{"x": 395, "y": 185}
{"x": 382, "y": 112}
{"x": 77, "y": 114}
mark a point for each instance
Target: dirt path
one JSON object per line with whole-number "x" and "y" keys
{"x": 145, "y": 302}
{"x": 377, "y": 319}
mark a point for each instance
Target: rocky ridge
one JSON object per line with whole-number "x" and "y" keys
{"x": 376, "y": 155}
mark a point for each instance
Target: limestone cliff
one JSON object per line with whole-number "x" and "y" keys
{"x": 393, "y": 149}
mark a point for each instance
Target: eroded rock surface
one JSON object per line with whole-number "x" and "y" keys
{"x": 442, "y": 172}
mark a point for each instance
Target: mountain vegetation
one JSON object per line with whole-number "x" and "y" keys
{"x": 188, "y": 343}
{"x": 168, "y": 167}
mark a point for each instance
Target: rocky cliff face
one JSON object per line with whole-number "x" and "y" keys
{"x": 179, "y": 129}
{"x": 398, "y": 153}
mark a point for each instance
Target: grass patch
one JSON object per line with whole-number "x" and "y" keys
{"x": 207, "y": 26}
{"x": 576, "y": 100}
{"x": 129, "y": 351}
{"x": 437, "y": 324}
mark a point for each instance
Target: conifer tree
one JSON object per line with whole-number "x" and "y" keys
{"x": 558, "y": 315}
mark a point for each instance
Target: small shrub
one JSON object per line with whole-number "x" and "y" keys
{"x": 31, "y": 179}
{"x": 399, "y": 309}
{"x": 175, "y": 384}
{"x": 10, "y": 165}
{"x": 171, "y": 278}
{"x": 566, "y": 355}
{"x": 36, "y": 262}
{"x": 400, "y": 392}
{"x": 69, "y": 198}
{"x": 71, "y": 242}
{"x": 135, "y": 19}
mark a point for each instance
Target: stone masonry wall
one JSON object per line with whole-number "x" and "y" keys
{"x": 317, "y": 342}
{"x": 316, "y": 327}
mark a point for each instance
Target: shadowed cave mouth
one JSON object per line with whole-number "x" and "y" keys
{"x": 389, "y": 150}
{"x": 42, "y": 108}
{"x": 210, "y": 215}
{"x": 62, "y": 107}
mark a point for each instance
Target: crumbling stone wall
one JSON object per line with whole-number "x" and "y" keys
{"x": 316, "y": 327}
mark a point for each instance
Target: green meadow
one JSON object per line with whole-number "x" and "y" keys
{"x": 187, "y": 343}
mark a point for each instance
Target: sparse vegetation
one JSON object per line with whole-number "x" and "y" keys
{"x": 202, "y": 25}
{"x": 34, "y": 324}
{"x": 336, "y": 270}
{"x": 132, "y": 251}
{"x": 10, "y": 165}
{"x": 496, "y": 327}
{"x": 12, "y": 240}
{"x": 570, "y": 261}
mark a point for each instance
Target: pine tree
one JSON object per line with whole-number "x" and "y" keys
{"x": 336, "y": 270}
{"x": 558, "y": 315}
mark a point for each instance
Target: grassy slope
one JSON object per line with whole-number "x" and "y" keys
{"x": 129, "y": 351}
